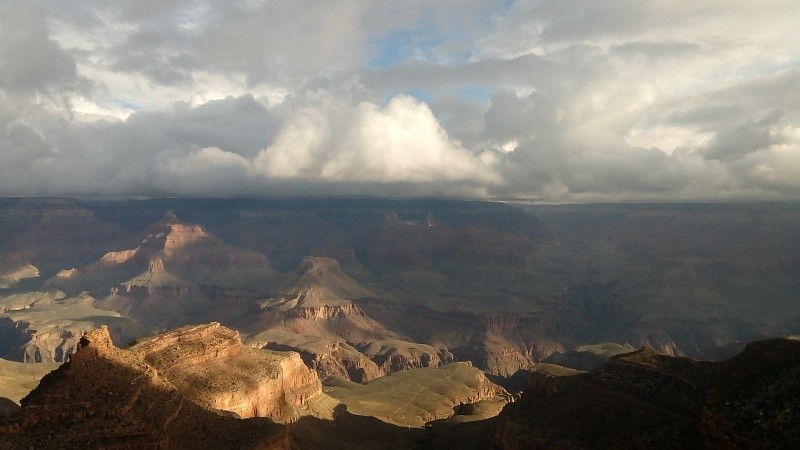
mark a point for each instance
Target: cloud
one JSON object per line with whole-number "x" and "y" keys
{"x": 29, "y": 60}
{"x": 206, "y": 171}
{"x": 560, "y": 101}
{"x": 401, "y": 142}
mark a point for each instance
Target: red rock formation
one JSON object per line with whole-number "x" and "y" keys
{"x": 210, "y": 364}
{"x": 105, "y": 397}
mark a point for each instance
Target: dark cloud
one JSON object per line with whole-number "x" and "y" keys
{"x": 734, "y": 143}
{"x": 29, "y": 59}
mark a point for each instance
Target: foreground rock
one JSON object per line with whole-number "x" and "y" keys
{"x": 646, "y": 399}
{"x": 105, "y": 397}
{"x": 209, "y": 365}
{"x": 199, "y": 387}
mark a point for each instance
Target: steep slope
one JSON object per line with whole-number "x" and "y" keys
{"x": 315, "y": 314}
{"x": 210, "y": 365}
{"x": 647, "y": 399}
{"x": 109, "y": 398}
{"x": 190, "y": 388}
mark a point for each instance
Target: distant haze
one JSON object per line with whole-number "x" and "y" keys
{"x": 575, "y": 100}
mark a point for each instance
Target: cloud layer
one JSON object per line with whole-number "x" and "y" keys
{"x": 544, "y": 100}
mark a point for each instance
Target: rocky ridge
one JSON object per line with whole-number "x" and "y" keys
{"x": 648, "y": 399}
{"x": 211, "y": 366}
{"x": 105, "y": 397}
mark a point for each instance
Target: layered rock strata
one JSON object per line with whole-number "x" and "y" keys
{"x": 109, "y": 398}
{"x": 211, "y": 366}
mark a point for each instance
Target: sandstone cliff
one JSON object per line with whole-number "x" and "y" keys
{"x": 210, "y": 365}
{"x": 105, "y": 397}
{"x": 328, "y": 357}
{"x": 315, "y": 314}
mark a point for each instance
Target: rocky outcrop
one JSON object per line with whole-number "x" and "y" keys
{"x": 157, "y": 282}
{"x": 324, "y": 312}
{"x": 174, "y": 260}
{"x": 120, "y": 257}
{"x": 210, "y": 365}
{"x": 394, "y": 355}
{"x": 646, "y": 399}
{"x": 53, "y": 346}
{"x": 500, "y": 344}
{"x": 105, "y": 397}
{"x": 547, "y": 379}
{"x": 330, "y": 358}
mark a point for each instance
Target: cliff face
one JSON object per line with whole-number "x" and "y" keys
{"x": 325, "y": 356}
{"x": 105, "y": 397}
{"x": 211, "y": 366}
{"x": 325, "y": 312}
{"x": 500, "y": 344}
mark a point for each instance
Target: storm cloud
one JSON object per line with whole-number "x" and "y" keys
{"x": 540, "y": 100}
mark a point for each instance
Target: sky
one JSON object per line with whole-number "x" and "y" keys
{"x": 552, "y": 101}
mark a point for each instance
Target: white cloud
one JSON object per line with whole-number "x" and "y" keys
{"x": 401, "y": 142}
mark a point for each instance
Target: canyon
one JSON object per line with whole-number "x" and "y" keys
{"x": 200, "y": 387}
{"x": 329, "y": 299}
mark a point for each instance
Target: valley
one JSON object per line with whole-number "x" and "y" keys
{"x": 422, "y": 317}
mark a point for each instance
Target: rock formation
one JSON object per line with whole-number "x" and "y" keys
{"x": 210, "y": 365}
{"x": 316, "y": 315}
{"x": 192, "y": 387}
{"x": 417, "y": 396}
{"x": 105, "y": 397}
{"x": 328, "y": 357}
{"x": 174, "y": 260}
{"x": 44, "y": 327}
{"x": 647, "y": 399}
{"x": 405, "y": 283}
